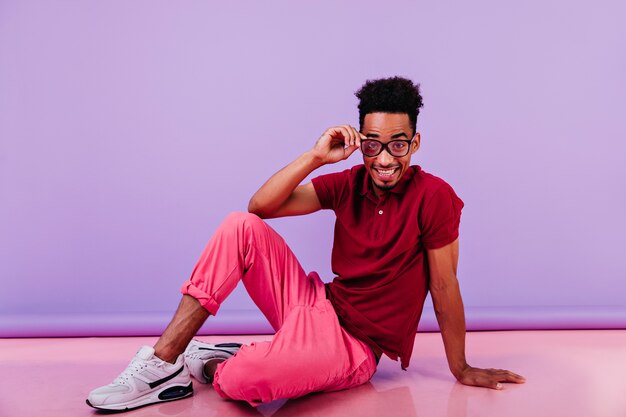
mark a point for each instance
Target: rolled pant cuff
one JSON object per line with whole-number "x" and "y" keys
{"x": 205, "y": 299}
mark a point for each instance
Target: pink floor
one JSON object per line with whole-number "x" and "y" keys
{"x": 569, "y": 373}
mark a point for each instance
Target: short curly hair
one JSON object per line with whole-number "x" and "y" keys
{"x": 390, "y": 95}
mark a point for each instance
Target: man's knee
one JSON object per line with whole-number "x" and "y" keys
{"x": 240, "y": 219}
{"x": 257, "y": 377}
{"x": 244, "y": 383}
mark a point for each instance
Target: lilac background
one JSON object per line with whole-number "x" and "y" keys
{"x": 128, "y": 130}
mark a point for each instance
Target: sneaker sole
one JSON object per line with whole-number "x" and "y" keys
{"x": 171, "y": 393}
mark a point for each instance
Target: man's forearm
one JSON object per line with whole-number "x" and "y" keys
{"x": 451, "y": 318}
{"x": 279, "y": 187}
{"x": 281, "y": 196}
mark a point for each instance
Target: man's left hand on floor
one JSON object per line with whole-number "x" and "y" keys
{"x": 488, "y": 378}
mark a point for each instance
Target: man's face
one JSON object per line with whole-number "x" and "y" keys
{"x": 384, "y": 168}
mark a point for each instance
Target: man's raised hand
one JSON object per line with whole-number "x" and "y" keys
{"x": 337, "y": 143}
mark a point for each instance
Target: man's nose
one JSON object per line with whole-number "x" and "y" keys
{"x": 385, "y": 158}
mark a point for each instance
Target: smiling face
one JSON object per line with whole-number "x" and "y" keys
{"x": 386, "y": 169}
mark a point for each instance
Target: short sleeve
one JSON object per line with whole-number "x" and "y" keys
{"x": 330, "y": 188}
{"x": 440, "y": 218}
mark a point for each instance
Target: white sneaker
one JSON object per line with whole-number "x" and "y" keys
{"x": 146, "y": 380}
{"x": 199, "y": 353}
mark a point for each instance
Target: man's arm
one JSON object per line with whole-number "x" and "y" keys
{"x": 282, "y": 195}
{"x": 446, "y": 295}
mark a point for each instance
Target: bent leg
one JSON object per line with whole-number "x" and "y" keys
{"x": 243, "y": 247}
{"x": 310, "y": 353}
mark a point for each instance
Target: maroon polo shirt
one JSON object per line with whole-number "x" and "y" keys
{"x": 379, "y": 252}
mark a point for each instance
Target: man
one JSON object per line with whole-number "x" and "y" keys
{"x": 396, "y": 238}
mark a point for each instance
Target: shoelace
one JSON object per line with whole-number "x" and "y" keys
{"x": 134, "y": 367}
{"x": 195, "y": 355}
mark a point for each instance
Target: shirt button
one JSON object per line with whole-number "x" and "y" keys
{"x": 380, "y": 212}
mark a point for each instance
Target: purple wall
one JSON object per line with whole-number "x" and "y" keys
{"x": 129, "y": 130}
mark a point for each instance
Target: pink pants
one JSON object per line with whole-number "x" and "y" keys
{"x": 310, "y": 351}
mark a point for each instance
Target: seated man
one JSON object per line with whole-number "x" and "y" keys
{"x": 396, "y": 238}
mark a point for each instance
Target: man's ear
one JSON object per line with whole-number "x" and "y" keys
{"x": 416, "y": 143}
